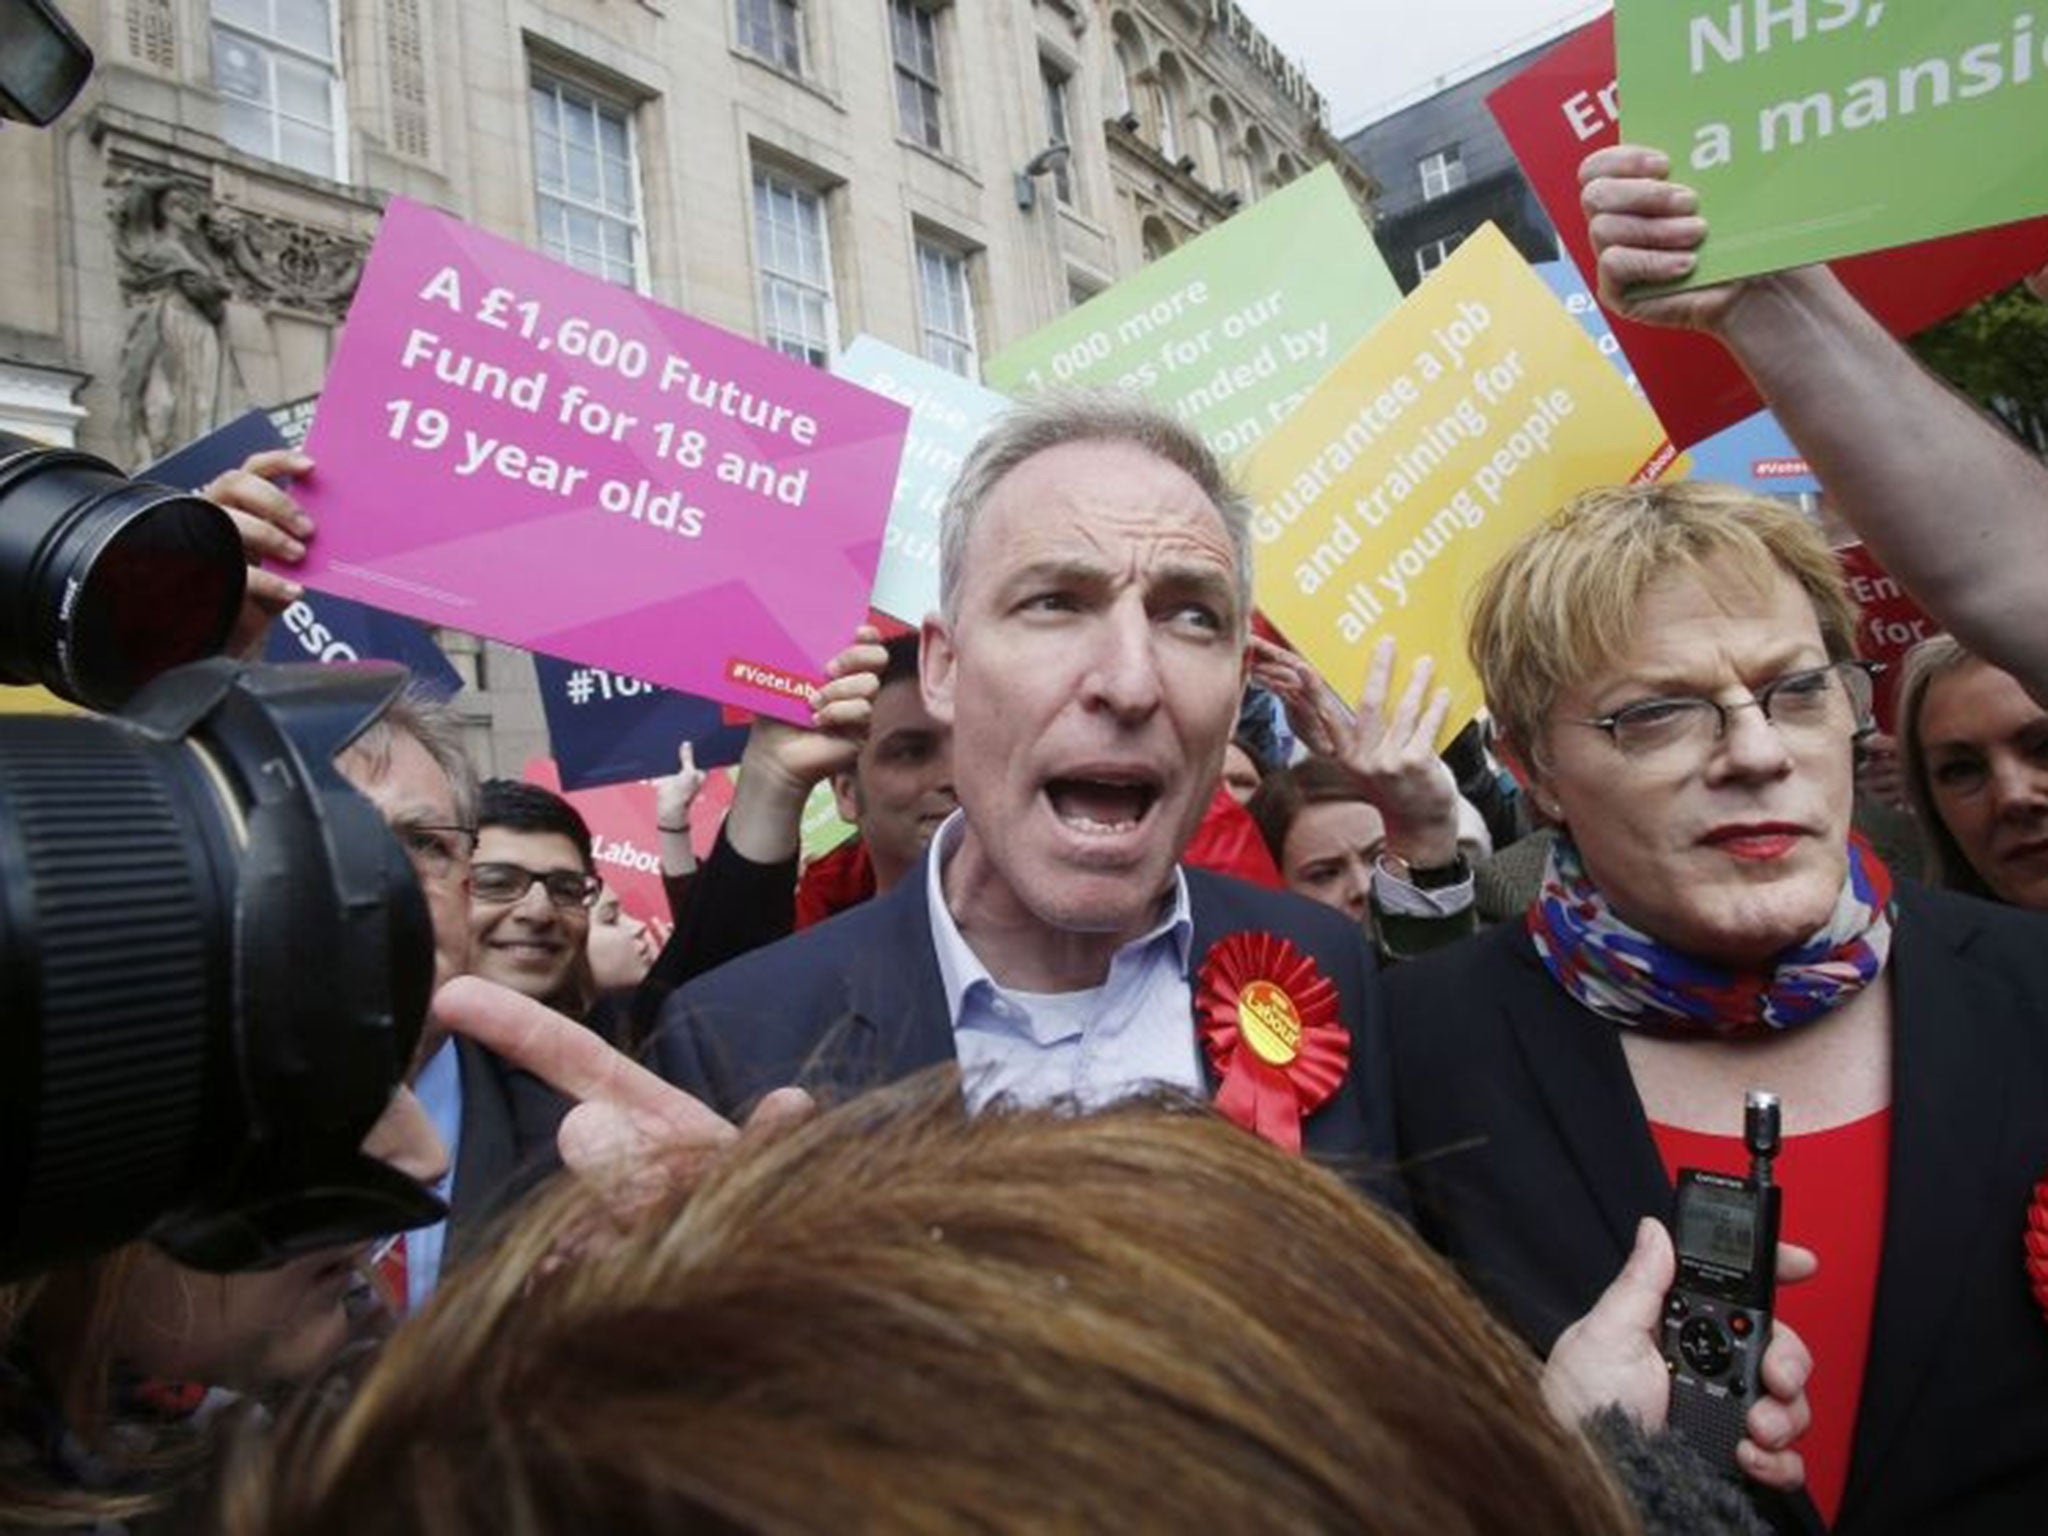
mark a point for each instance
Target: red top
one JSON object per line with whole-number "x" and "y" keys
{"x": 834, "y": 881}
{"x": 1834, "y": 1184}
{"x": 1228, "y": 841}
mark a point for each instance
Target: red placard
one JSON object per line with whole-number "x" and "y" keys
{"x": 1889, "y": 624}
{"x": 1564, "y": 106}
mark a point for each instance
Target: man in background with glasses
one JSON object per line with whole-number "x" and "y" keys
{"x": 530, "y": 894}
{"x": 497, "y": 1122}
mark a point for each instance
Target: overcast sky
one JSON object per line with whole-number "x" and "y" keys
{"x": 1366, "y": 56}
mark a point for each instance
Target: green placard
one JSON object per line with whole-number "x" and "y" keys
{"x": 1821, "y": 128}
{"x": 1230, "y": 331}
{"x": 821, "y": 829}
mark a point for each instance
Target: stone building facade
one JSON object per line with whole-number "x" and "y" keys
{"x": 946, "y": 176}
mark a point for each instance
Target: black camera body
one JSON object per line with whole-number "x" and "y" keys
{"x": 215, "y": 962}
{"x": 214, "y": 957}
{"x": 1717, "y": 1315}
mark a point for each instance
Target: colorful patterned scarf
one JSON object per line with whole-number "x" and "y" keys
{"x": 1625, "y": 975}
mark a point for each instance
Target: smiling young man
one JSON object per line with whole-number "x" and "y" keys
{"x": 1089, "y": 657}
{"x": 531, "y": 890}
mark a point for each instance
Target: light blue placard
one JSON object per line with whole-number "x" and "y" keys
{"x": 947, "y": 416}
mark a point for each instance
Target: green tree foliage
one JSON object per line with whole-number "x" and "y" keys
{"x": 1996, "y": 352}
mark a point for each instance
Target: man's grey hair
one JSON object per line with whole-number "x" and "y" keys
{"x": 435, "y": 724}
{"x": 1085, "y": 416}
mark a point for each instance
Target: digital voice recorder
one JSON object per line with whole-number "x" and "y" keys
{"x": 1717, "y": 1316}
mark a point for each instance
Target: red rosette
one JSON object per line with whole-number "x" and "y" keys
{"x": 1268, "y": 1021}
{"x": 2036, "y": 1245}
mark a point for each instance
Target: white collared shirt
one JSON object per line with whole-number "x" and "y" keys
{"x": 1133, "y": 1032}
{"x": 438, "y": 1087}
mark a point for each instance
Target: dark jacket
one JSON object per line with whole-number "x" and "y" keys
{"x": 509, "y": 1119}
{"x": 857, "y": 1002}
{"x": 1530, "y": 1160}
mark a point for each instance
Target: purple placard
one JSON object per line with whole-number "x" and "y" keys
{"x": 515, "y": 448}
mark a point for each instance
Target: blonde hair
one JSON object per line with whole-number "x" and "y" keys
{"x": 896, "y": 1316}
{"x": 1561, "y": 603}
{"x": 1933, "y": 658}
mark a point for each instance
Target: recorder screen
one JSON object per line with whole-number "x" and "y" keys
{"x": 1718, "y": 1226}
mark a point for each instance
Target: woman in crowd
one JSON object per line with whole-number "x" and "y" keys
{"x": 1329, "y": 841}
{"x": 899, "y": 1317}
{"x": 1324, "y": 834}
{"x": 1975, "y": 751}
{"x": 1672, "y": 672}
{"x": 1372, "y": 786}
{"x": 620, "y": 947}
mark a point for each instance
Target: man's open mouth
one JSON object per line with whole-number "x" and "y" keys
{"x": 1095, "y": 805}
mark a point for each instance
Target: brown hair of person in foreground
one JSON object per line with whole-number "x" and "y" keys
{"x": 894, "y": 1316}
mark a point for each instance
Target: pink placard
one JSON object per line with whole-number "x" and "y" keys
{"x": 511, "y": 447}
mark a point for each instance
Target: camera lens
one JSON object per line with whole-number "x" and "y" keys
{"x": 106, "y": 582}
{"x": 214, "y": 964}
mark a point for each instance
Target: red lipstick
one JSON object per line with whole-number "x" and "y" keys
{"x": 1762, "y": 841}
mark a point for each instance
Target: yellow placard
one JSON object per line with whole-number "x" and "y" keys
{"x": 35, "y": 701}
{"x": 1471, "y": 413}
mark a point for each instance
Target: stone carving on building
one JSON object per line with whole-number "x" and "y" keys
{"x": 279, "y": 262}
{"x": 175, "y": 359}
{"x": 182, "y": 259}
{"x": 405, "y": 39}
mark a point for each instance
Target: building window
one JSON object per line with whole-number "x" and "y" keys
{"x": 1169, "y": 125}
{"x": 1209, "y": 147}
{"x": 1055, "y": 80}
{"x": 914, "y": 42}
{"x": 795, "y": 256}
{"x": 274, "y": 64}
{"x": 1229, "y": 152}
{"x": 773, "y": 30}
{"x": 1258, "y": 162}
{"x": 1431, "y": 256}
{"x": 1170, "y": 87}
{"x": 587, "y": 182}
{"x": 1442, "y": 173}
{"x": 1125, "y": 80}
{"x": 947, "y": 309}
